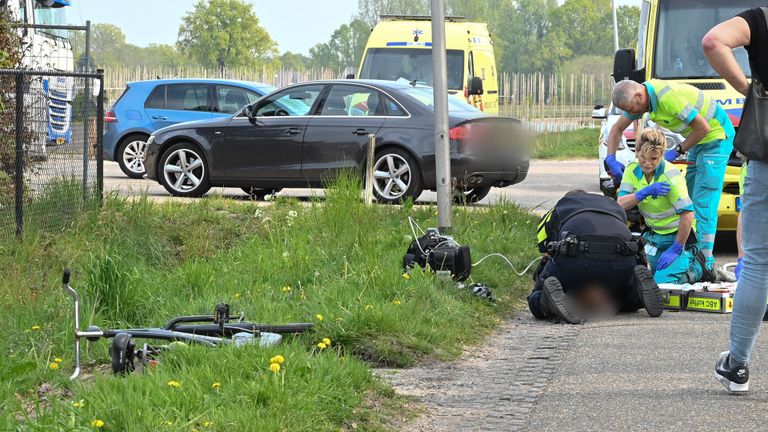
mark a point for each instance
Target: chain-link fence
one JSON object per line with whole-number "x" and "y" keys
{"x": 50, "y": 148}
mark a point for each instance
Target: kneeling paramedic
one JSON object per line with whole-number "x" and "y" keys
{"x": 708, "y": 133}
{"x": 658, "y": 189}
{"x": 592, "y": 262}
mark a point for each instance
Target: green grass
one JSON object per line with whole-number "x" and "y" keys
{"x": 138, "y": 263}
{"x": 580, "y": 143}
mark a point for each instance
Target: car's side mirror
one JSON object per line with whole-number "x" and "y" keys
{"x": 475, "y": 86}
{"x": 599, "y": 112}
{"x": 301, "y": 95}
{"x": 624, "y": 66}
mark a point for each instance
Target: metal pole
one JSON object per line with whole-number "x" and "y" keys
{"x": 86, "y": 99}
{"x": 615, "y": 27}
{"x": 100, "y": 137}
{"x": 369, "y": 169}
{"x": 19, "y": 173}
{"x": 442, "y": 145}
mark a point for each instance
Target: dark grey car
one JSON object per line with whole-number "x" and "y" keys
{"x": 302, "y": 135}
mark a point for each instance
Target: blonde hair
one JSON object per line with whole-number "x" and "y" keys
{"x": 651, "y": 141}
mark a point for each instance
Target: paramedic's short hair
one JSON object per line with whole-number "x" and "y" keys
{"x": 651, "y": 140}
{"x": 623, "y": 92}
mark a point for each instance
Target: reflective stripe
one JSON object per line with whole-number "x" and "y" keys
{"x": 663, "y": 91}
{"x": 662, "y": 215}
{"x": 711, "y": 111}
{"x": 683, "y": 115}
{"x": 674, "y": 224}
{"x": 672, "y": 173}
{"x": 682, "y": 203}
{"x": 708, "y": 238}
{"x": 627, "y": 187}
{"x": 706, "y": 252}
{"x": 700, "y": 101}
{"x": 680, "y": 128}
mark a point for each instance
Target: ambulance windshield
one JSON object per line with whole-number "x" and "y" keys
{"x": 682, "y": 25}
{"x": 411, "y": 64}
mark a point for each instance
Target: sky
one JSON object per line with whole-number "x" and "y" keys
{"x": 296, "y": 25}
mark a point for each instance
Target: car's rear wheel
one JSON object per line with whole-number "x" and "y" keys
{"x": 130, "y": 155}
{"x": 184, "y": 171}
{"x": 260, "y": 193}
{"x": 470, "y": 196}
{"x": 396, "y": 176}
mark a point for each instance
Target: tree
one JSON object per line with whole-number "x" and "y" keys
{"x": 294, "y": 61}
{"x": 345, "y": 47}
{"x": 628, "y": 18}
{"x": 224, "y": 33}
{"x": 369, "y": 11}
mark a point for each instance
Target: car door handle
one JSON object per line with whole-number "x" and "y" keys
{"x": 360, "y": 131}
{"x": 293, "y": 131}
{"x": 159, "y": 117}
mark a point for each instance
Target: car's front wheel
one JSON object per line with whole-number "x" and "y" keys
{"x": 130, "y": 155}
{"x": 396, "y": 176}
{"x": 184, "y": 171}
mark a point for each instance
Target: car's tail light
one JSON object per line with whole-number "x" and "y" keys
{"x": 459, "y": 133}
{"x": 466, "y": 92}
{"x": 110, "y": 117}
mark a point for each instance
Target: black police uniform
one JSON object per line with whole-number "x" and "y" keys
{"x": 587, "y": 241}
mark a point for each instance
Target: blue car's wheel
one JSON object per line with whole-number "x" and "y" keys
{"x": 130, "y": 155}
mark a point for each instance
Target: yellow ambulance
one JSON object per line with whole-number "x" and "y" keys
{"x": 400, "y": 47}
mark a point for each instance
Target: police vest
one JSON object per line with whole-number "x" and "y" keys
{"x": 673, "y": 106}
{"x": 661, "y": 214}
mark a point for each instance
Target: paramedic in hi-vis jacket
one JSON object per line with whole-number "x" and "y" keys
{"x": 657, "y": 188}
{"x": 708, "y": 133}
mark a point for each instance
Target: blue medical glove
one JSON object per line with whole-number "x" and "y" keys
{"x": 615, "y": 167}
{"x": 669, "y": 256}
{"x": 654, "y": 190}
{"x": 739, "y": 266}
{"x": 671, "y": 155}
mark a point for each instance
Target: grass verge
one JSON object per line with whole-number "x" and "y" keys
{"x": 335, "y": 263}
{"x": 580, "y": 143}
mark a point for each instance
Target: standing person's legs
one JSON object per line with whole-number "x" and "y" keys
{"x": 705, "y": 182}
{"x": 749, "y": 303}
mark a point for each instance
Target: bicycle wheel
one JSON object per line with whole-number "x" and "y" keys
{"x": 123, "y": 353}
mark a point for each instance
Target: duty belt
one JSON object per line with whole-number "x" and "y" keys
{"x": 592, "y": 246}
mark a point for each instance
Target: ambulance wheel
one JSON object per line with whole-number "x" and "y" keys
{"x": 123, "y": 353}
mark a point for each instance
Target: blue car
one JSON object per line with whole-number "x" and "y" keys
{"x": 146, "y": 106}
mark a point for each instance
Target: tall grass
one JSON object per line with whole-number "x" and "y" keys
{"x": 581, "y": 143}
{"x": 335, "y": 263}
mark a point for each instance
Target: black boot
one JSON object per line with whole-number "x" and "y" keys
{"x": 553, "y": 302}
{"x": 648, "y": 291}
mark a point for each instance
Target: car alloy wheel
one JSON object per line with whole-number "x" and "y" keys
{"x": 131, "y": 155}
{"x": 184, "y": 172}
{"x": 392, "y": 176}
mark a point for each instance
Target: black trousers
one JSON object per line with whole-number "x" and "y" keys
{"x": 574, "y": 273}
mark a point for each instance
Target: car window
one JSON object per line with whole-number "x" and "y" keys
{"x": 392, "y": 108}
{"x": 426, "y": 97}
{"x": 156, "y": 99}
{"x": 230, "y": 99}
{"x": 348, "y": 100}
{"x": 295, "y": 101}
{"x": 187, "y": 97}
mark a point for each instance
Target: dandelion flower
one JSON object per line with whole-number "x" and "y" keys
{"x": 57, "y": 360}
{"x": 319, "y": 317}
{"x": 35, "y": 328}
{"x": 237, "y": 295}
{"x": 168, "y": 423}
{"x": 54, "y": 366}
{"x": 327, "y": 341}
{"x": 286, "y": 289}
{"x": 322, "y": 345}
{"x": 368, "y": 307}
{"x": 277, "y": 359}
{"x": 97, "y": 423}
{"x": 79, "y": 404}
{"x": 207, "y": 424}
{"x": 274, "y": 367}
{"x": 174, "y": 384}
{"x": 406, "y": 276}
{"x": 396, "y": 302}
{"x": 216, "y": 386}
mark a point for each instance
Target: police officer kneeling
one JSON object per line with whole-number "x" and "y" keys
{"x": 592, "y": 257}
